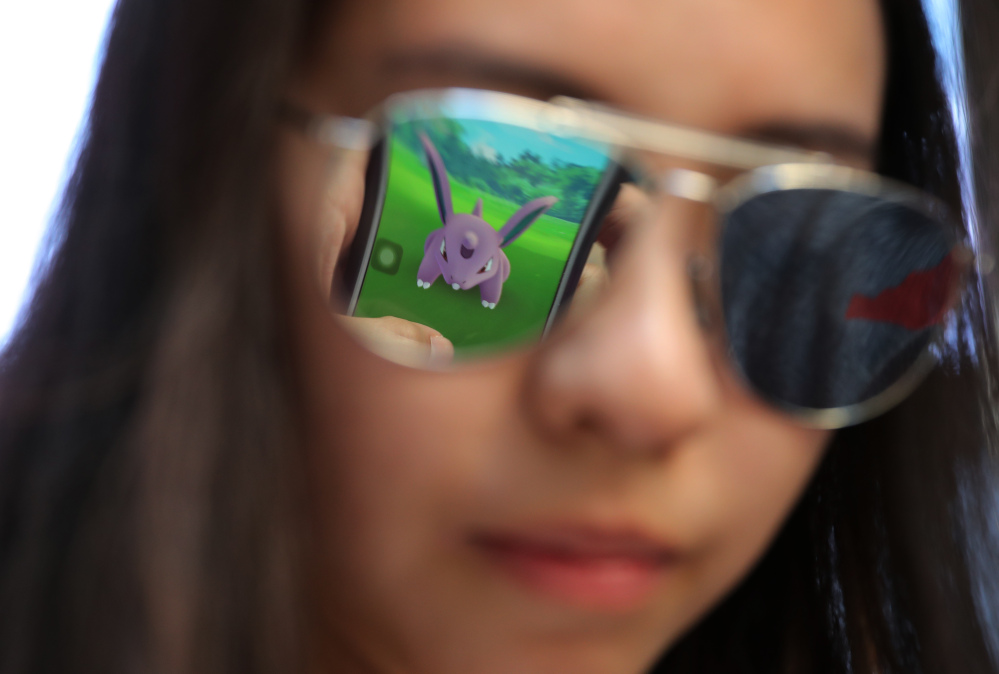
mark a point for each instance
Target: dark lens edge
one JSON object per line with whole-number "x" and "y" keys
{"x": 834, "y": 418}
{"x": 835, "y": 177}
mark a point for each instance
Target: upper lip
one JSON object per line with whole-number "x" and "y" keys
{"x": 580, "y": 540}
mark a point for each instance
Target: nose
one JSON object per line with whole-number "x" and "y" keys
{"x": 634, "y": 370}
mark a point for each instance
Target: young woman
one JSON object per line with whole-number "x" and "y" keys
{"x": 202, "y": 470}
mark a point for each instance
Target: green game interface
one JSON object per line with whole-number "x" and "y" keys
{"x": 506, "y": 167}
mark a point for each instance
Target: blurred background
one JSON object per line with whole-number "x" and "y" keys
{"x": 49, "y": 54}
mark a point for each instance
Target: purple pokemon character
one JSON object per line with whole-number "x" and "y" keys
{"x": 466, "y": 251}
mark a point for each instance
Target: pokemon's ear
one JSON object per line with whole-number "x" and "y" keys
{"x": 438, "y": 174}
{"x": 524, "y": 218}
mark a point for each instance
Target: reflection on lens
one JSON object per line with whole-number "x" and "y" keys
{"x": 831, "y": 297}
{"x": 420, "y": 346}
{"x": 473, "y": 233}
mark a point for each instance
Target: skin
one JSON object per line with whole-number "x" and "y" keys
{"x": 627, "y": 418}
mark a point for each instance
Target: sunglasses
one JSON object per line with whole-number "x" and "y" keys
{"x": 830, "y": 285}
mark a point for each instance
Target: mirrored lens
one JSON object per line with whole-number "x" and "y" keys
{"x": 474, "y": 235}
{"x": 831, "y": 297}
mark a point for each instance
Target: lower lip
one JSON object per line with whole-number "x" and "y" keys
{"x": 610, "y": 582}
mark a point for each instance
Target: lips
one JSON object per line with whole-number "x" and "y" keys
{"x": 590, "y": 568}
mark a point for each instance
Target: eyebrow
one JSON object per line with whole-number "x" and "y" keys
{"x": 837, "y": 139}
{"x": 463, "y": 61}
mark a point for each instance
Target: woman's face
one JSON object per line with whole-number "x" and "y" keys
{"x": 577, "y": 506}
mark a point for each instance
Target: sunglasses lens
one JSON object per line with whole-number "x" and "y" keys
{"x": 831, "y": 297}
{"x": 476, "y": 231}
{"x": 479, "y": 210}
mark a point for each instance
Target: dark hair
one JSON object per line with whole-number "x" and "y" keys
{"x": 146, "y": 509}
{"x": 890, "y": 562}
{"x": 148, "y": 485}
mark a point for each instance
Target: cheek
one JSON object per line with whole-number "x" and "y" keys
{"x": 757, "y": 471}
{"x": 392, "y": 463}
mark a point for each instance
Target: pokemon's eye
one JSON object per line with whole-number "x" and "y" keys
{"x": 487, "y": 267}
{"x": 443, "y": 250}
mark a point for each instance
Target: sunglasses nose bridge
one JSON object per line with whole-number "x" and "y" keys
{"x": 688, "y": 184}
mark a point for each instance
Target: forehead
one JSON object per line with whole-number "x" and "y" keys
{"x": 727, "y": 65}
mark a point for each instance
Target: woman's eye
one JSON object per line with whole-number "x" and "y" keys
{"x": 487, "y": 267}
{"x": 443, "y": 250}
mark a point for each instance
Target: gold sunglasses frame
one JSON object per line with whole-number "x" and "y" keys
{"x": 766, "y": 168}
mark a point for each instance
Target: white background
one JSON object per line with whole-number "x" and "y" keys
{"x": 48, "y": 59}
